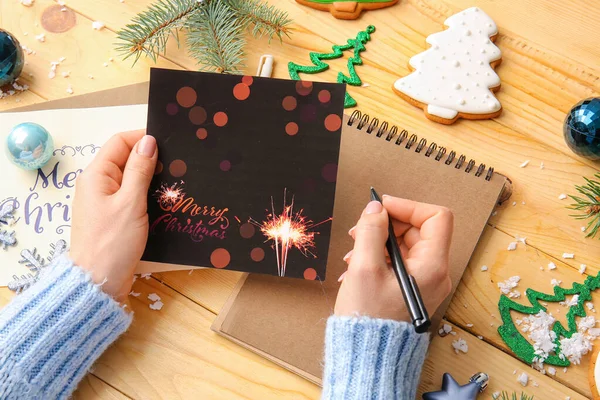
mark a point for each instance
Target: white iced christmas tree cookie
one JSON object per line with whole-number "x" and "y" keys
{"x": 594, "y": 373}
{"x": 455, "y": 77}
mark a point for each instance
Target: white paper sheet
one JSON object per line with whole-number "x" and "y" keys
{"x": 43, "y": 198}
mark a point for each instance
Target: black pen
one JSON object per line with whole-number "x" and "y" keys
{"x": 410, "y": 290}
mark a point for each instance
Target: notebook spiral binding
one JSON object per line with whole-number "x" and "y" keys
{"x": 391, "y": 133}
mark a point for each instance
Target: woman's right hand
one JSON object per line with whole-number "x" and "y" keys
{"x": 369, "y": 286}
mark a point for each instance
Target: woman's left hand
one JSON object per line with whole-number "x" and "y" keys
{"x": 110, "y": 221}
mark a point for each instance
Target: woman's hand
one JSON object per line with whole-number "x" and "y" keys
{"x": 370, "y": 287}
{"x": 110, "y": 220}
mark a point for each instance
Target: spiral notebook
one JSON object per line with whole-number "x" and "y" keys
{"x": 283, "y": 319}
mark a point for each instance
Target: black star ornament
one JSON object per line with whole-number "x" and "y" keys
{"x": 451, "y": 390}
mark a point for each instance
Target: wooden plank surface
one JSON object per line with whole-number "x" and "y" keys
{"x": 550, "y": 61}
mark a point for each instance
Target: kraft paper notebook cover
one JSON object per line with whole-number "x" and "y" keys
{"x": 284, "y": 320}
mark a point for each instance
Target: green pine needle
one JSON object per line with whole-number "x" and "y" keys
{"x": 215, "y": 39}
{"x": 265, "y": 19}
{"x": 505, "y": 396}
{"x": 588, "y": 205}
{"x": 215, "y": 30}
{"x": 149, "y": 31}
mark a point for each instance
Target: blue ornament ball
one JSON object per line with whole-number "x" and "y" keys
{"x": 582, "y": 129}
{"x": 29, "y": 146}
{"x": 11, "y": 58}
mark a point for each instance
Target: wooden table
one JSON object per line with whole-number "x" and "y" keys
{"x": 550, "y": 62}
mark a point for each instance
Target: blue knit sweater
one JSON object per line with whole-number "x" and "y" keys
{"x": 52, "y": 334}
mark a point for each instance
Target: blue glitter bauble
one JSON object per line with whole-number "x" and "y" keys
{"x": 582, "y": 129}
{"x": 11, "y": 58}
{"x": 29, "y": 146}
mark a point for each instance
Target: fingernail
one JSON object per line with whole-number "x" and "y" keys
{"x": 342, "y": 276}
{"x": 348, "y": 255}
{"x": 351, "y": 231}
{"x": 374, "y": 207}
{"x": 147, "y": 146}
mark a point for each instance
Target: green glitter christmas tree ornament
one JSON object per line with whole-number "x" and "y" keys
{"x": 358, "y": 45}
{"x": 522, "y": 348}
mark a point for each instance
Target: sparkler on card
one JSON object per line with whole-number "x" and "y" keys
{"x": 288, "y": 229}
{"x": 169, "y": 195}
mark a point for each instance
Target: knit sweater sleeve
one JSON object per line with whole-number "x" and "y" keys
{"x": 369, "y": 358}
{"x": 52, "y": 333}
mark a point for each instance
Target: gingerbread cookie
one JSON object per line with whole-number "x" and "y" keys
{"x": 455, "y": 77}
{"x": 343, "y": 9}
{"x": 594, "y": 373}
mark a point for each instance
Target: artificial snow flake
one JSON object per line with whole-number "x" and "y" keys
{"x": 509, "y": 284}
{"x": 146, "y": 276}
{"x": 484, "y": 268}
{"x": 562, "y": 196}
{"x": 524, "y": 164}
{"x": 555, "y": 282}
{"x": 445, "y": 330}
{"x": 70, "y": 89}
{"x": 583, "y": 229}
{"x": 27, "y": 3}
{"x": 551, "y": 371}
{"x": 469, "y": 325}
{"x": 512, "y": 246}
{"x": 98, "y": 25}
{"x": 568, "y": 255}
{"x": 575, "y": 347}
{"x": 460, "y": 345}
{"x": 582, "y": 268}
{"x": 156, "y": 306}
{"x": 153, "y": 297}
{"x": 551, "y": 265}
{"x": 523, "y": 379}
{"x": 586, "y": 323}
{"x": 134, "y": 294}
{"x": 542, "y": 165}
{"x": 41, "y": 37}
{"x": 66, "y": 74}
{"x": 573, "y": 301}
{"x": 27, "y": 50}
{"x": 539, "y": 332}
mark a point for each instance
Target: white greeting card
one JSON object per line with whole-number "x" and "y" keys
{"x": 42, "y": 199}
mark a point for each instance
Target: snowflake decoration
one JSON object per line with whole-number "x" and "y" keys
{"x": 35, "y": 263}
{"x": 7, "y": 238}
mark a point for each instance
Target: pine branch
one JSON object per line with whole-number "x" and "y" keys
{"x": 505, "y": 396}
{"x": 588, "y": 205}
{"x": 150, "y": 30}
{"x": 264, "y": 18}
{"x": 216, "y": 38}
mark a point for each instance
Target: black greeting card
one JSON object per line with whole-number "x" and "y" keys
{"x": 246, "y": 173}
